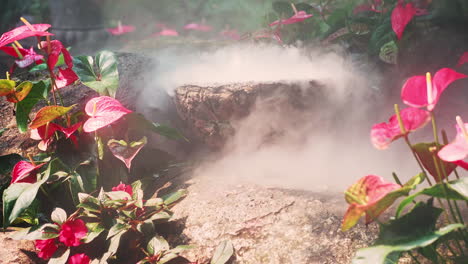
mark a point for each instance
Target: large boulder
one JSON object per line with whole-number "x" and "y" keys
{"x": 267, "y": 225}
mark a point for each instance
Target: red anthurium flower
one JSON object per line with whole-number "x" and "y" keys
{"x": 29, "y": 56}
{"x": 121, "y": 29}
{"x": 24, "y": 172}
{"x": 57, "y": 48}
{"x": 296, "y": 18}
{"x": 463, "y": 59}
{"x": 401, "y": 16}
{"x": 24, "y": 32}
{"x": 230, "y": 34}
{"x": 363, "y": 198}
{"x": 72, "y": 231}
{"x": 103, "y": 111}
{"x": 45, "y": 133}
{"x": 457, "y": 150}
{"x": 276, "y": 35}
{"x": 198, "y": 27}
{"x": 79, "y": 259}
{"x": 385, "y": 133}
{"x": 123, "y": 187}
{"x": 46, "y": 248}
{"x": 374, "y": 7}
{"x": 65, "y": 77}
{"x": 421, "y": 91}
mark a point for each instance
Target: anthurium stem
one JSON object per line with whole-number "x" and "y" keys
{"x": 397, "y": 180}
{"x": 434, "y": 129}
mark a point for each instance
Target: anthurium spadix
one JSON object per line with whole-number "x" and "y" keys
{"x": 457, "y": 150}
{"x": 423, "y": 91}
{"x": 103, "y": 111}
{"x": 383, "y": 134}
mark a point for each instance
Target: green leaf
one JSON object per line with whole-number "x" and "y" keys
{"x": 105, "y": 80}
{"x": 17, "y": 197}
{"x": 58, "y": 216}
{"x": 6, "y": 87}
{"x": 48, "y": 114}
{"x": 389, "y": 52}
{"x": 117, "y": 229}
{"x": 411, "y": 231}
{"x": 38, "y": 92}
{"x": 283, "y": 8}
{"x": 94, "y": 230}
{"x": 118, "y": 195}
{"x": 139, "y": 122}
{"x": 454, "y": 190}
{"x": 223, "y": 253}
{"x": 60, "y": 256}
{"x": 161, "y": 216}
{"x": 157, "y": 245}
{"x": 174, "y": 197}
{"x": 114, "y": 244}
{"x": 3, "y": 130}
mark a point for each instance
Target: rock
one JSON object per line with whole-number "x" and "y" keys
{"x": 17, "y": 251}
{"x": 267, "y": 225}
{"x": 208, "y": 111}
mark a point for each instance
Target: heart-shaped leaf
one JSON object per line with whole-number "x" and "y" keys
{"x": 20, "y": 92}
{"x": 58, "y": 216}
{"x": 39, "y": 92}
{"x": 105, "y": 80}
{"x": 126, "y": 151}
{"x": 427, "y": 160}
{"x": 6, "y": 87}
{"x": 47, "y": 114}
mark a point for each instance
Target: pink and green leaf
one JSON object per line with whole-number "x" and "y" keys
{"x": 124, "y": 151}
{"x": 21, "y": 91}
{"x": 48, "y": 114}
{"x": 6, "y": 87}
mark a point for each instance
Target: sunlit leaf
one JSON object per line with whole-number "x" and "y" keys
{"x": 156, "y": 245}
{"x": 47, "y": 114}
{"x": 223, "y": 253}
{"x": 39, "y": 92}
{"x": 58, "y": 216}
{"x": 6, "y": 87}
{"x": 20, "y": 92}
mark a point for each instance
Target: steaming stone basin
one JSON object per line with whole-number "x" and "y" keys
{"x": 208, "y": 112}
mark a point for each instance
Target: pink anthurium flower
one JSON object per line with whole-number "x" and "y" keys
{"x": 65, "y": 77}
{"x": 401, "y": 16}
{"x": 23, "y": 32}
{"x": 198, "y": 27}
{"x": 79, "y": 259}
{"x": 103, "y": 111}
{"x": 385, "y": 133}
{"x": 375, "y": 7}
{"x": 421, "y": 91}
{"x": 457, "y": 150}
{"x": 121, "y": 29}
{"x": 24, "y": 171}
{"x": 463, "y": 59}
{"x": 29, "y": 56}
{"x": 269, "y": 34}
{"x": 166, "y": 32}
{"x": 296, "y": 18}
{"x": 363, "y": 198}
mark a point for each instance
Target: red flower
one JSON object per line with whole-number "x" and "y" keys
{"x": 363, "y": 198}
{"x": 296, "y": 18}
{"x": 79, "y": 259}
{"x": 457, "y": 150}
{"x": 384, "y": 133}
{"x": 71, "y": 232}
{"x": 123, "y": 187}
{"x": 46, "y": 248}
{"x": 24, "y": 172}
{"x": 401, "y": 16}
{"x": 198, "y": 27}
{"x": 103, "y": 111}
{"x": 24, "y": 32}
{"x": 57, "y": 48}
{"x": 121, "y": 29}
{"x": 421, "y": 91}
{"x": 29, "y": 56}
{"x": 463, "y": 59}
{"x": 65, "y": 78}
{"x": 45, "y": 133}
{"x": 376, "y": 7}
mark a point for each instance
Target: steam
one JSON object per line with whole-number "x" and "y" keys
{"x": 325, "y": 147}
